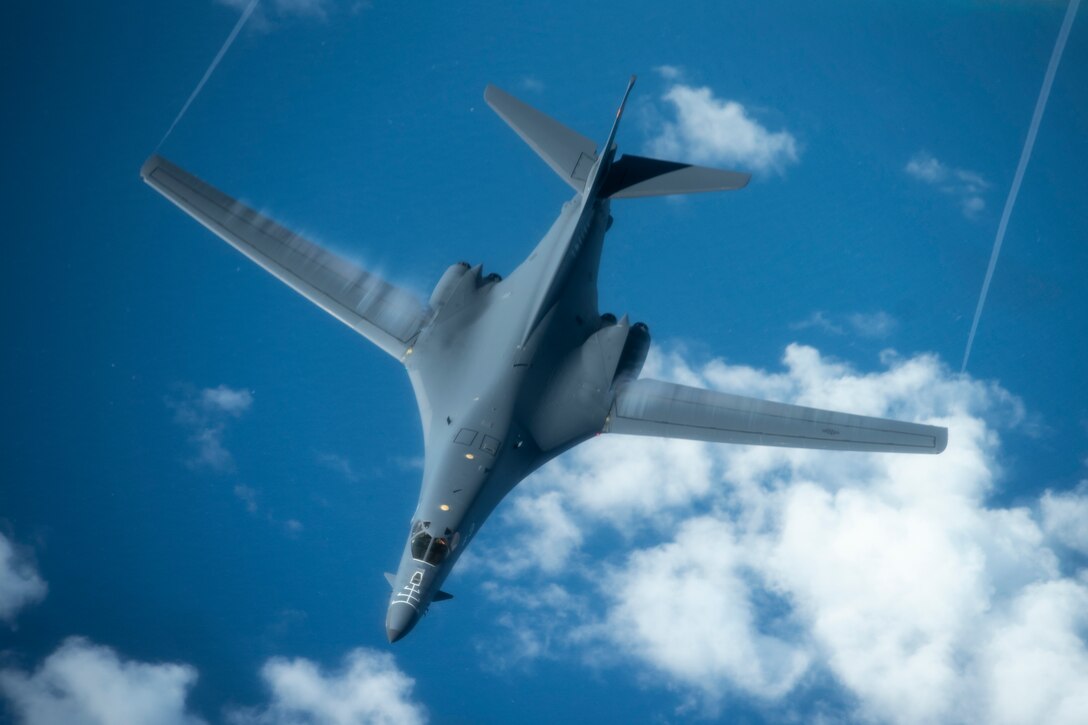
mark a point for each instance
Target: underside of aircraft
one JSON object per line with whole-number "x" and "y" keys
{"x": 509, "y": 373}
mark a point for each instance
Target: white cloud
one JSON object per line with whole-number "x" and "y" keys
{"x": 540, "y": 621}
{"x": 226, "y": 400}
{"x": 86, "y": 684}
{"x": 1065, "y": 517}
{"x": 675, "y": 474}
{"x": 732, "y": 570}
{"x": 895, "y": 589}
{"x": 339, "y": 464}
{"x": 369, "y": 689}
{"x": 20, "y": 583}
{"x": 926, "y": 168}
{"x": 205, "y": 414}
{"x": 548, "y": 529}
{"x": 82, "y": 683}
{"x": 1035, "y": 664}
{"x": 248, "y": 496}
{"x": 669, "y": 72}
{"x": 211, "y": 453}
{"x": 709, "y": 130}
{"x": 686, "y": 606}
{"x": 532, "y": 84}
{"x": 820, "y": 321}
{"x": 964, "y": 185}
{"x": 873, "y": 325}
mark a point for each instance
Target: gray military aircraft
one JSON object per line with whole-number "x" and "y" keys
{"x": 509, "y": 373}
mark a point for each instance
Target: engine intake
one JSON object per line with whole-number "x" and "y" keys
{"x": 445, "y": 285}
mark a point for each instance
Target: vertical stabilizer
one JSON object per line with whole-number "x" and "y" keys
{"x": 574, "y": 157}
{"x": 619, "y": 114}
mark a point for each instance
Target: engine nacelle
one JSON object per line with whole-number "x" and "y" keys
{"x": 634, "y": 353}
{"x": 447, "y": 283}
{"x": 579, "y": 394}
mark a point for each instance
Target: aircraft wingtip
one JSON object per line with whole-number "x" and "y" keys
{"x": 942, "y": 441}
{"x": 153, "y": 162}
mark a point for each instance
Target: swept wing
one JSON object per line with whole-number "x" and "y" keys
{"x": 385, "y": 314}
{"x": 655, "y": 408}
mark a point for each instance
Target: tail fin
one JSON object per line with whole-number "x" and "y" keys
{"x": 572, "y": 156}
{"x": 569, "y": 153}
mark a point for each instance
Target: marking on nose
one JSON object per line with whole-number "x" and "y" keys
{"x": 410, "y": 592}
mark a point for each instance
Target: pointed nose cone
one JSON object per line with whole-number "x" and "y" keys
{"x": 399, "y": 621}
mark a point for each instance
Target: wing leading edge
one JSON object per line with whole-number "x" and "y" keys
{"x": 385, "y": 314}
{"x": 655, "y": 408}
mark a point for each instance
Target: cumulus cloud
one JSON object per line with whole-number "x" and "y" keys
{"x": 686, "y": 606}
{"x": 369, "y": 688}
{"x": 706, "y": 129}
{"x": 965, "y": 186}
{"x": 205, "y": 414}
{"x": 1035, "y": 664}
{"x": 20, "y": 583}
{"x": 732, "y": 571}
{"x": 544, "y": 521}
{"x": 82, "y": 683}
{"x": 1065, "y": 517}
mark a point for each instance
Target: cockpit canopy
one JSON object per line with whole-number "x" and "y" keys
{"x": 427, "y": 548}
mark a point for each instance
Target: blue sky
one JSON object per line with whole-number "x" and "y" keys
{"x": 208, "y": 476}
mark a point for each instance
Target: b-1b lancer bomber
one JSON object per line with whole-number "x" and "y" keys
{"x": 509, "y": 373}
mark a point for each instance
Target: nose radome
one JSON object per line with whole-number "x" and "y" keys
{"x": 399, "y": 621}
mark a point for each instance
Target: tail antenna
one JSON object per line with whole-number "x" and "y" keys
{"x": 619, "y": 114}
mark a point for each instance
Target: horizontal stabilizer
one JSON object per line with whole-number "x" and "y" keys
{"x": 634, "y": 176}
{"x": 655, "y": 408}
{"x": 570, "y": 154}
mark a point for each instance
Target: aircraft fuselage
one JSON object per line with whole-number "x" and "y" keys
{"x": 482, "y": 372}
{"x": 510, "y": 373}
